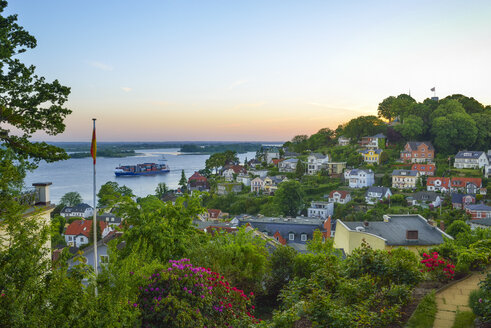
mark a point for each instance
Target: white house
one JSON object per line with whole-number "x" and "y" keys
{"x": 339, "y": 196}
{"x": 343, "y": 141}
{"x": 271, "y": 154}
{"x": 470, "y": 160}
{"x": 288, "y": 165}
{"x": 376, "y": 194}
{"x": 244, "y": 178}
{"x": 321, "y": 209}
{"x": 81, "y": 210}
{"x": 257, "y": 184}
{"x": 425, "y": 199}
{"x": 78, "y": 232}
{"x": 361, "y": 178}
{"x": 316, "y": 162}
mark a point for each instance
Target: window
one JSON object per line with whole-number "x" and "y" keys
{"x": 303, "y": 237}
{"x": 291, "y": 236}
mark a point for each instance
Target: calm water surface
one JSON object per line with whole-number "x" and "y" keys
{"x": 76, "y": 174}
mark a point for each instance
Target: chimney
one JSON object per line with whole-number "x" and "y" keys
{"x": 327, "y": 227}
{"x": 442, "y": 225}
{"x": 42, "y": 193}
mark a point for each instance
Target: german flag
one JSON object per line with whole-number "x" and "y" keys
{"x": 93, "y": 146}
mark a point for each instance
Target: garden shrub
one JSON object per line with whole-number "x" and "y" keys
{"x": 438, "y": 268}
{"x": 480, "y": 300}
{"x": 186, "y": 296}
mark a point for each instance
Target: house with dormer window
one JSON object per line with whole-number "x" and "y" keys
{"x": 78, "y": 232}
{"x": 339, "y": 196}
{"x": 358, "y": 178}
{"x": 377, "y": 194}
{"x": 316, "y": 162}
{"x": 418, "y": 152}
{"x": 404, "y": 179}
{"x": 470, "y": 160}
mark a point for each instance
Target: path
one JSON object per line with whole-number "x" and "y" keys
{"x": 455, "y": 297}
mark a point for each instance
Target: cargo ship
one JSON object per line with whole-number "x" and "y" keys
{"x": 142, "y": 169}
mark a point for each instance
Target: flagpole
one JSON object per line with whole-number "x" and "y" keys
{"x": 95, "y": 208}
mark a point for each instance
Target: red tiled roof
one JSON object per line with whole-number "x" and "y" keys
{"x": 83, "y": 227}
{"x": 462, "y": 182}
{"x": 237, "y": 168}
{"x": 445, "y": 182}
{"x": 343, "y": 193}
{"x": 197, "y": 176}
{"x": 423, "y": 167}
{"x": 213, "y": 213}
{"x": 277, "y": 160}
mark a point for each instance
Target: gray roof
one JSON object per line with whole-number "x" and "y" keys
{"x": 469, "y": 154}
{"x": 378, "y": 190}
{"x": 457, "y": 197}
{"x": 394, "y": 231}
{"x": 358, "y": 171}
{"x": 486, "y": 222}
{"x": 291, "y": 160}
{"x": 205, "y": 224}
{"x": 77, "y": 208}
{"x": 109, "y": 218}
{"x": 317, "y": 155}
{"x": 412, "y": 173}
{"x": 425, "y": 196}
{"x": 376, "y": 151}
{"x": 479, "y": 207}
{"x": 414, "y": 144}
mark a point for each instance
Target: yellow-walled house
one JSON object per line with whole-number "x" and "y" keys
{"x": 409, "y": 231}
{"x": 40, "y": 207}
{"x": 371, "y": 156}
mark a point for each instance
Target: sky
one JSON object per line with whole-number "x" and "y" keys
{"x": 265, "y": 70}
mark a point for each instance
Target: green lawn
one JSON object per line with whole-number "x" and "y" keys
{"x": 424, "y": 315}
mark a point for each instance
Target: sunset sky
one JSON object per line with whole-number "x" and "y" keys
{"x": 250, "y": 70}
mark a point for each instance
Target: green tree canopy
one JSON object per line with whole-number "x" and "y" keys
{"x": 364, "y": 126}
{"x": 111, "y": 193}
{"x": 411, "y": 128}
{"x": 161, "y": 190}
{"x": 289, "y": 197}
{"x": 71, "y": 198}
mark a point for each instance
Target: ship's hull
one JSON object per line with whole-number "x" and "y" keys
{"x": 124, "y": 173}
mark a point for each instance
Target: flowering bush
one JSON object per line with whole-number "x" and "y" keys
{"x": 438, "y": 268}
{"x": 186, "y": 296}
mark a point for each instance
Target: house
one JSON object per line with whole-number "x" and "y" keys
{"x": 410, "y": 231}
{"x": 270, "y": 154}
{"x": 213, "y": 227}
{"x": 288, "y": 165}
{"x": 335, "y": 169}
{"x": 81, "y": 210}
{"x": 320, "y": 209}
{"x": 38, "y": 207}
{"x": 271, "y": 183}
{"x": 371, "y": 156}
{"x": 77, "y": 233}
{"x": 425, "y": 199}
{"x": 478, "y": 211}
{"x": 111, "y": 219}
{"x": 295, "y": 232}
{"x": 459, "y": 201}
{"x": 418, "y": 152}
{"x": 360, "y": 178}
{"x": 373, "y": 142}
{"x": 214, "y": 213}
{"x": 438, "y": 184}
{"x": 225, "y": 188}
{"x": 424, "y": 169}
{"x": 404, "y": 179}
{"x": 198, "y": 182}
{"x": 316, "y": 162}
{"x": 260, "y": 173}
{"x": 254, "y": 163}
{"x": 102, "y": 252}
{"x": 339, "y": 196}
{"x": 257, "y": 185}
{"x": 244, "y": 179}
{"x": 343, "y": 141}
{"x": 377, "y": 194}
{"x": 480, "y": 223}
{"x": 467, "y": 185}
{"x": 233, "y": 170}
{"x": 470, "y": 160}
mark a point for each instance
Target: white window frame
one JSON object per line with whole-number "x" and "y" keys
{"x": 303, "y": 237}
{"x": 291, "y": 236}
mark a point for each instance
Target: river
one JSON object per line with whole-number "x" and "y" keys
{"x": 76, "y": 174}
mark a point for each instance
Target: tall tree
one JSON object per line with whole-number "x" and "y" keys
{"x": 364, "y": 126}
{"x": 161, "y": 190}
{"x": 411, "y": 127}
{"x": 111, "y": 193}
{"x": 183, "y": 182}
{"x": 71, "y": 198}
{"x": 289, "y": 197}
